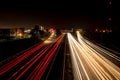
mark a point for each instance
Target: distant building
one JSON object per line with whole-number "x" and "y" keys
{"x": 17, "y": 32}
{"x": 103, "y": 30}
{"x": 11, "y": 33}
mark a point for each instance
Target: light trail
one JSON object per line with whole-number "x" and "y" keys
{"x": 43, "y": 63}
{"x": 30, "y": 63}
{"x": 40, "y": 69}
{"x": 44, "y": 57}
{"x": 103, "y": 50}
{"x": 50, "y": 39}
{"x": 98, "y": 48}
{"x": 19, "y": 59}
{"x": 89, "y": 63}
{"x": 22, "y": 57}
{"x": 23, "y": 69}
{"x": 76, "y": 66}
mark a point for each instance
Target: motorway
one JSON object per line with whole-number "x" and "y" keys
{"x": 91, "y": 62}
{"x": 63, "y": 58}
{"x": 32, "y": 64}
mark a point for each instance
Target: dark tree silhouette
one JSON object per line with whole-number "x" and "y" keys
{"x": 36, "y": 33}
{"x": 58, "y": 32}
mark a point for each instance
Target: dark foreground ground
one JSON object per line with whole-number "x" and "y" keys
{"x": 12, "y": 47}
{"x": 109, "y": 40}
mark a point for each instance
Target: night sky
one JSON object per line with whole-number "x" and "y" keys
{"x": 55, "y": 12}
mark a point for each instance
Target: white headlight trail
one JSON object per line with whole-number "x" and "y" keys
{"x": 88, "y": 63}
